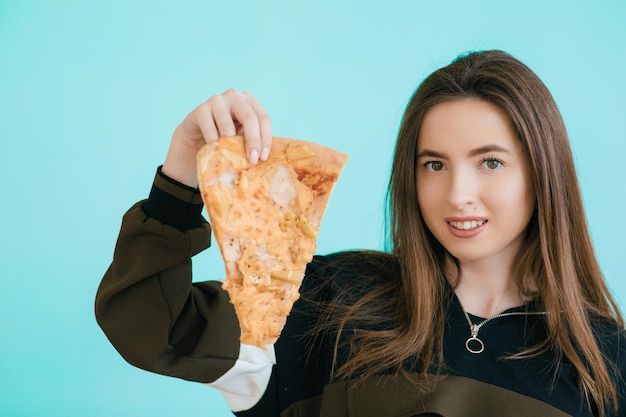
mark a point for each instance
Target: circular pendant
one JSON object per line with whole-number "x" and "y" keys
{"x": 474, "y": 345}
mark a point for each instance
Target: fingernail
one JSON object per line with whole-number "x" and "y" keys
{"x": 265, "y": 153}
{"x": 254, "y": 156}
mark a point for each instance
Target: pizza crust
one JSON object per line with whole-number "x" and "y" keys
{"x": 265, "y": 218}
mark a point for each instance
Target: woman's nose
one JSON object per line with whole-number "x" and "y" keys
{"x": 462, "y": 189}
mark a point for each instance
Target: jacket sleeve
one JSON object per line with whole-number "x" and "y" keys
{"x": 147, "y": 305}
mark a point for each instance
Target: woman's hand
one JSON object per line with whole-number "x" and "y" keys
{"x": 228, "y": 114}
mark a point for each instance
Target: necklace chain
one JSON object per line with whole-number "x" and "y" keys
{"x": 473, "y": 344}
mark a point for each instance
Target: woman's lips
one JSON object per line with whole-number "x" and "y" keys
{"x": 465, "y": 227}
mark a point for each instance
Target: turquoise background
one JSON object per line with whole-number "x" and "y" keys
{"x": 90, "y": 92}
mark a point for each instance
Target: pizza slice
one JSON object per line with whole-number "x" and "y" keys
{"x": 265, "y": 220}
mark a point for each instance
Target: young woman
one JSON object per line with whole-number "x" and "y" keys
{"x": 490, "y": 301}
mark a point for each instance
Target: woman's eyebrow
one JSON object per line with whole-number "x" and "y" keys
{"x": 488, "y": 148}
{"x": 474, "y": 152}
{"x": 432, "y": 154}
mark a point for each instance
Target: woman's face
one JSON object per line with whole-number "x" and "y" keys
{"x": 473, "y": 183}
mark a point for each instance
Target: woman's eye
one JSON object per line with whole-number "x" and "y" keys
{"x": 492, "y": 163}
{"x": 433, "y": 166}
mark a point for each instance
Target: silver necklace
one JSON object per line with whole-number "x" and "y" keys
{"x": 479, "y": 345}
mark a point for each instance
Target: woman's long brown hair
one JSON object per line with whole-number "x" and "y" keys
{"x": 556, "y": 265}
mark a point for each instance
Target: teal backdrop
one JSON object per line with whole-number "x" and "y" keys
{"x": 90, "y": 92}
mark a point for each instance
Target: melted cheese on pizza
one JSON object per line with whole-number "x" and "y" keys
{"x": 265, "y": 219}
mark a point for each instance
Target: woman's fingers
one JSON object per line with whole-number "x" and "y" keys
{"x": 235, "y": 113}
{"x": 223, "y": 106}
{"x": 203, "y": 119}
{"x": 265, "y": 128}
{"x": 228, "y": 114}
{"x": 248, "y": 119}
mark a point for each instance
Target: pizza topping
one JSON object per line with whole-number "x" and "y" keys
{"x": 219, "y": 198}
{"x": 282, "y": 189}
{"x": 320, "y": 182}
{"x": 231, "y": 250}
{"x": 288, "y": 221}
{"x": 253, "y": 279}
{"x": 307, "y": 228}
{"x": 292, "y": 277}
{"x": 295, "y": 152}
